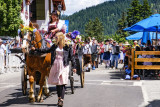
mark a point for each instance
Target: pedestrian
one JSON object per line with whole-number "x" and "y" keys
{"x": 98, "y": 54}
{"x": 16, "y": 44}
{"x": 135, "y": 44}
{"x": 121, "y": 53}
{"x": 87, "y": 55}
{"x": 78, "y": 53}
{"x": 94, "y": 53}
{"x": 111, "y": 44}
{"x": 115, "y": 52}
{"x": 2, "y": 57}
{"x": 61, "y": 54}
{"x": 8, "y": 52}
{"x": 102, "y": 52}
{"x": 126, "y": 52}
{"x": 106, "y": 57}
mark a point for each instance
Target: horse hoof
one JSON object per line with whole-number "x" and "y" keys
{"x": 39, "y": 99}
{"x": 46, "y": 94}
{"x": 31, "y": 100}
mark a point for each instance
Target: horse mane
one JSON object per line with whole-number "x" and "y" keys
{"x": 37, "y": 39}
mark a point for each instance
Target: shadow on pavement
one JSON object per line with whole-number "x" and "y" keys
{"x": 46, "y": 105}
{"x": 115, "y": 75}
{"x": 68, "y": 89}
{"x": 11, "y": 99}
{"x": 15, "y": 98}
{"x": 18, "y": 98}
{"x": 154, "y": 103}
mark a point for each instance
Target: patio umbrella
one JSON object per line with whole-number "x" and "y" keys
{"x": 136, "y": 36}
{"x": 150, "y": 24}
{"x": 144, "y": 36}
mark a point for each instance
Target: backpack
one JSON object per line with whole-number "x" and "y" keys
{"x": 117, "y": 50}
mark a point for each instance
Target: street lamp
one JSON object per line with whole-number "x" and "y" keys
{"x": 59, "y": 9}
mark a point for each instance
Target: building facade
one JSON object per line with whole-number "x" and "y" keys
{"x": 38, "y": 11}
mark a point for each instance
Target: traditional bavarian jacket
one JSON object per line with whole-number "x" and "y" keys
{"x": 67, "y": 54}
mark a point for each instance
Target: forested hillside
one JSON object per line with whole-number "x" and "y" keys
{"x": 108, "y": 12}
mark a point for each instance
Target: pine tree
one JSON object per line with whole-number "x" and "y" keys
{"x": 89, "y": 28}
{"x": 10, "y": 17}
{"x": 122, "y": 23}
{"x": 134, "y": 13}
{"x": 146, "y": 9}
{"x": 95, "y": 29}
{"x": 98, "y": 29}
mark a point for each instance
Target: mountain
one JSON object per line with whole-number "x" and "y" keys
{"x": 108, "y": 12}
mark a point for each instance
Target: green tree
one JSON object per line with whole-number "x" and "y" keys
{"x": 95, "y": 29}
{"x": 122, "y": 23}
{"x": 89, "y": 28}
{"x": 134, "y": 13}
{"x": 146, "y": 9}
{"x": 10, "y": 17}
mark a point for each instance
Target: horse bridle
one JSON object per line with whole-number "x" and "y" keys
{"x": 32, "y": 38}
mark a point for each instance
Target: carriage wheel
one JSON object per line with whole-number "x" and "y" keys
{"x": 72, "y": 84}
{"x": 82, "y": 75}
{"x": 82, "y": 79}
{"x": 24, "y": 81}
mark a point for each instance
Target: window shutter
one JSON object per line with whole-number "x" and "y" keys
{"x": 40, "y": 8}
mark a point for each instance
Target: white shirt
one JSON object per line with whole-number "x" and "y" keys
{"x": 59, "y": 25}
{"x": 58, "y": 49}
{"x": 106, "y": 48}
{"x": 2, "y": 49}
{"x": 87, "y": 49}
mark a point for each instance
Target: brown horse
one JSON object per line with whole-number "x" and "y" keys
{"x": 35, "y": 63}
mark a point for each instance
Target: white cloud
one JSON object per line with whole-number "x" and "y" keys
{"x": 77, "y": 5}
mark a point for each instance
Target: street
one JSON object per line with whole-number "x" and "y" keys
{"x": 103, "y": 88}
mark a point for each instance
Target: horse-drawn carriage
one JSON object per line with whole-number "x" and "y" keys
{"x": 37, "y": 67}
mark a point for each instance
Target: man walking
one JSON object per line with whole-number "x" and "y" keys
{"x": 115, "y": 52}
{"x": 2, "y": 53}
{"x": 94, "y": 52}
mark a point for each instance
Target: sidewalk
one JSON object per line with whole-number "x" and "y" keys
{"x": 9, "y": 75}
{"x": 150, "y": 88}
{"x": 151, "y": 93}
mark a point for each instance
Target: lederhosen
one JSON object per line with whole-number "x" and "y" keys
{"x": 87, "y": 57}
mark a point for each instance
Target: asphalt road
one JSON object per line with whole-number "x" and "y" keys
{"x": 103, "y": 88}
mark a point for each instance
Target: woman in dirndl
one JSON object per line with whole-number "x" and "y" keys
{"x": 55, "y": 25}
{"x": 121, "y": 53}
{"x": 60, "y": 53}
{"x": 106, "y": 56}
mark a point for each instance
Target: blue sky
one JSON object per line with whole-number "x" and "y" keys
{"x": 73, "y": 6}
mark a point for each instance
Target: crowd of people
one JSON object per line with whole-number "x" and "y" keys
{"x": 108, "y": 52}
{"x": 142, "y": 73}
{"x": 5, "y": 47}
